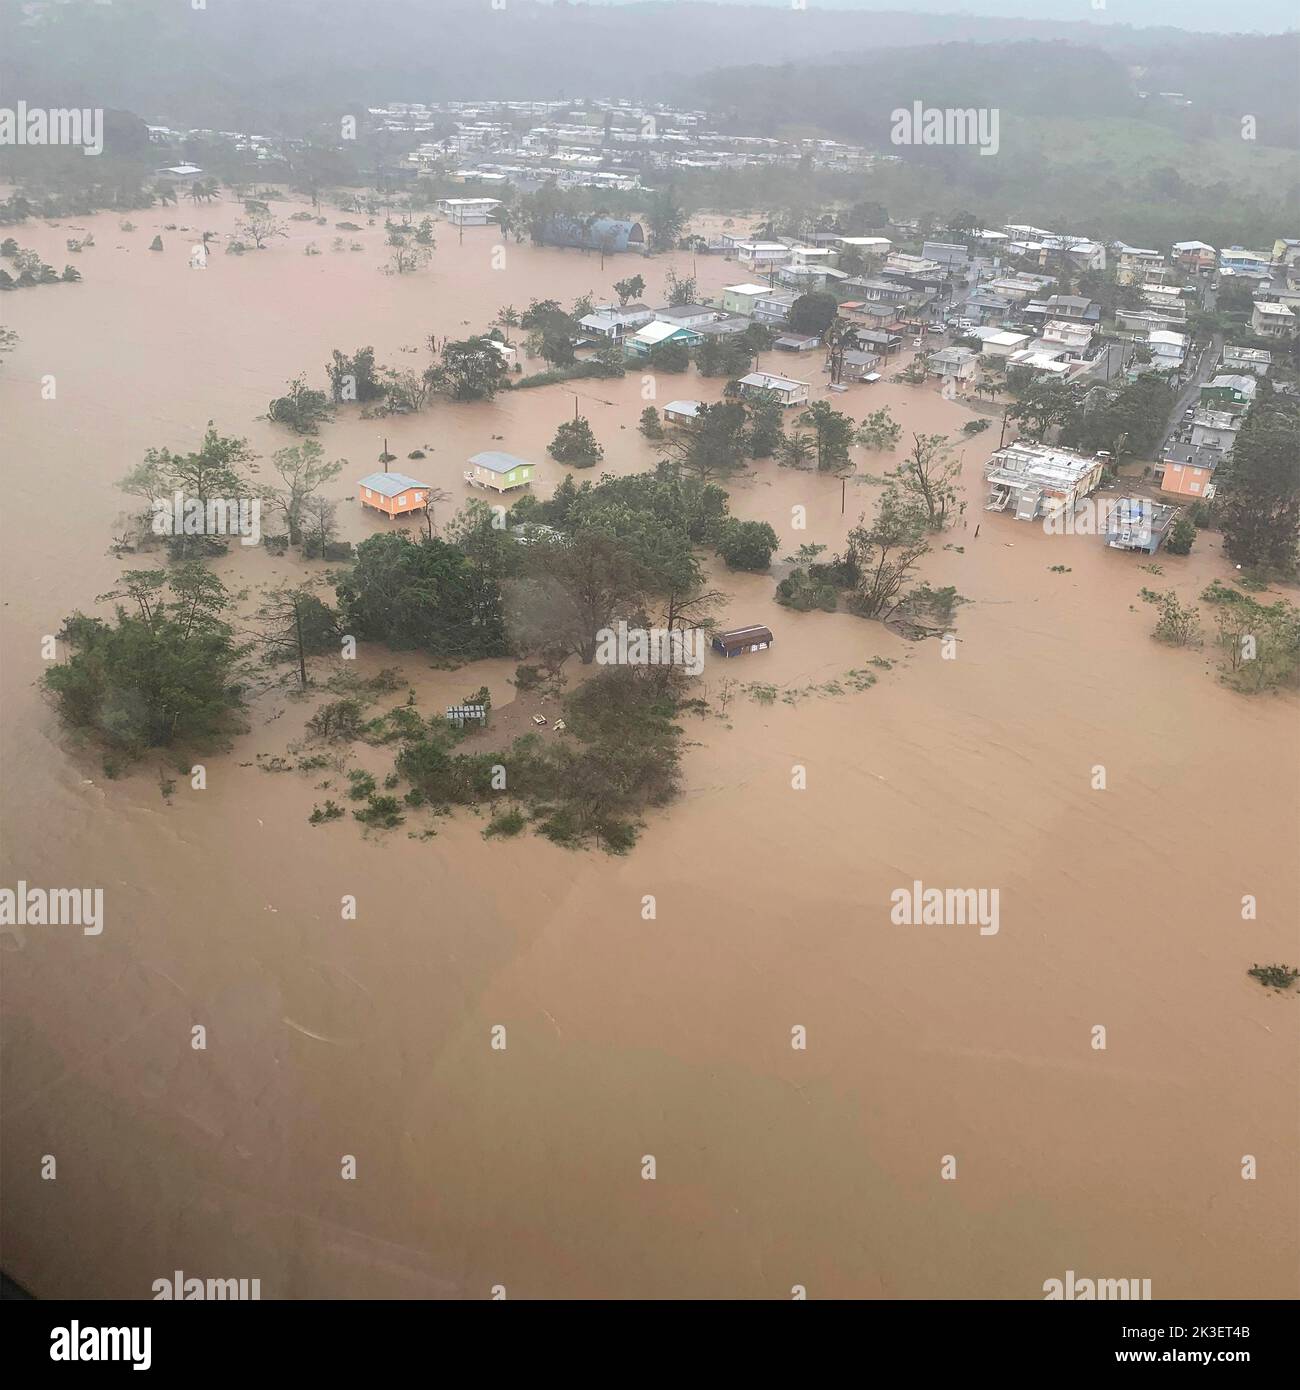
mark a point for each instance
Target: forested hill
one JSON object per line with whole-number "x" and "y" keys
{"x": 280, "y": 65}
{"x": 851, "y": 96}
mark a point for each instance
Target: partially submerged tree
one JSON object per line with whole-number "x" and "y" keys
{"x": 259, "y": 226}
{"x": 300, "y": 408}
{"x": 930, "y": 475}
{"x": 575, "y": 444}
{"x": 882, "y": 557}
{"x": 303, "y": 471}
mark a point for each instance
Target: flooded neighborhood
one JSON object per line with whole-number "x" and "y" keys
{"x": 803, "y": 796}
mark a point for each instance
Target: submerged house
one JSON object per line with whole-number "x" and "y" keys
{"x": 1035, "y": 480}
{"x": 500, "y": 472}
{"x": 607, "y": 234}
{"x": 644, "y": 341}
{"x": 394, "y": 494}
{"x": 743, "y": 639}
{"x": 681, "y": 412}
{"x": 1134, "y": 523}
{"x": 787, "y": 391}
{"x": 468, "y": 212}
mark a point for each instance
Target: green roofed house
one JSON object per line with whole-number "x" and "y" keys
{"x": 643, "y": 342}
{"x": 500, "y": 472}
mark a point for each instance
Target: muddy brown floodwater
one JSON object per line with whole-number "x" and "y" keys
{"x": 628, "y": 1037}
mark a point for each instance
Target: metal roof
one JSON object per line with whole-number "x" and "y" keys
{"x": 390, "y": 484}
{"x": 497, "y": 462}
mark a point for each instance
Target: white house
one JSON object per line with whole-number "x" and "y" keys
{"x": 681, "y": 412}
{"x": 1168, "y": 349}
{"x": 1072, "y": 337}
{"x": 757, "y": 254}
{"x": 1034, "y": 480}
{"x": 468, "y": 212}
{"x": 740, "y": 299}
{"x": 954, "y": 363}
{"x": 788, "y": 392}
{"x": 1271, "y": 320}
{"x": 1215, "y": 429}
{"x": 612, "y": 322}
{"x": 994, "y": 342}
{"x": 1244, "y": 359}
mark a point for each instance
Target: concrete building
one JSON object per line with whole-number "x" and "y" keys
{"x": 1035, "y": 480}
{"x": 1134, "y": 523}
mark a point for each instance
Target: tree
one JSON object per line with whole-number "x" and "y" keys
{"x": 670, "y": 357}
{"x": 300, "y": 408}
{"x": 354, "y": 378}
{"x": 303, "y": 471}
{"x": 557, "y": 348}
{"x": 472, "y": 370}
{"x": 883, "y": 556}
{"x": 1044, "y": 403}
{"x": 879, "y": 430}
{"x": 682, "y": 289}
{"x": 714, "y": 447}
{"x": 295, "y": 624}
{"x": 766, "y": 426}
{"x": 796, "y": 451}
{"x": 747, "y": 545}
{"x": 406, "y": 390}
{"x": 424, "y": 594}
{"x": 259, "y": 227}
{"x": 1181, "y": 536}
{"x": 813, "y": 313}
{"x": 507, "y": 318}
{"x": 404, "y": 259}
{"x": 631, "y": 288}
{"x": 213, "y": 471}
{"x": 650, "y": 425}
{"x": 1260, "y": 515}
{"x": 666, "y": 219}
{"x": 9, "y": 341}
{"x": 832, "y": 433}
{"x": 160, "y": 675}
{"x": 569, "y": 590}
{"x": 575, "y": 444}
{"x": 929, "y": 475}
{"x": 156, "y": 244}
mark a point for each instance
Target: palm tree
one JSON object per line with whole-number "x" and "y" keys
{"x": 508, "y": 318}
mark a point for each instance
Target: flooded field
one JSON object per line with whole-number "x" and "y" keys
{"x": 478, "y": 1167}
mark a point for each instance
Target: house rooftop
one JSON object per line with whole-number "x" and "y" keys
{"x": 770, "y": 382}
{"x": 657, "y": 332}
{"x": 748, "y": 289}
{"x": 389, "y": 484}
{"x": 1041, "y": 463}
{"x": 496, "y": 462}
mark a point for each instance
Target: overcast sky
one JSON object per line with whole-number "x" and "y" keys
{"x": 1232, "y": 16}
